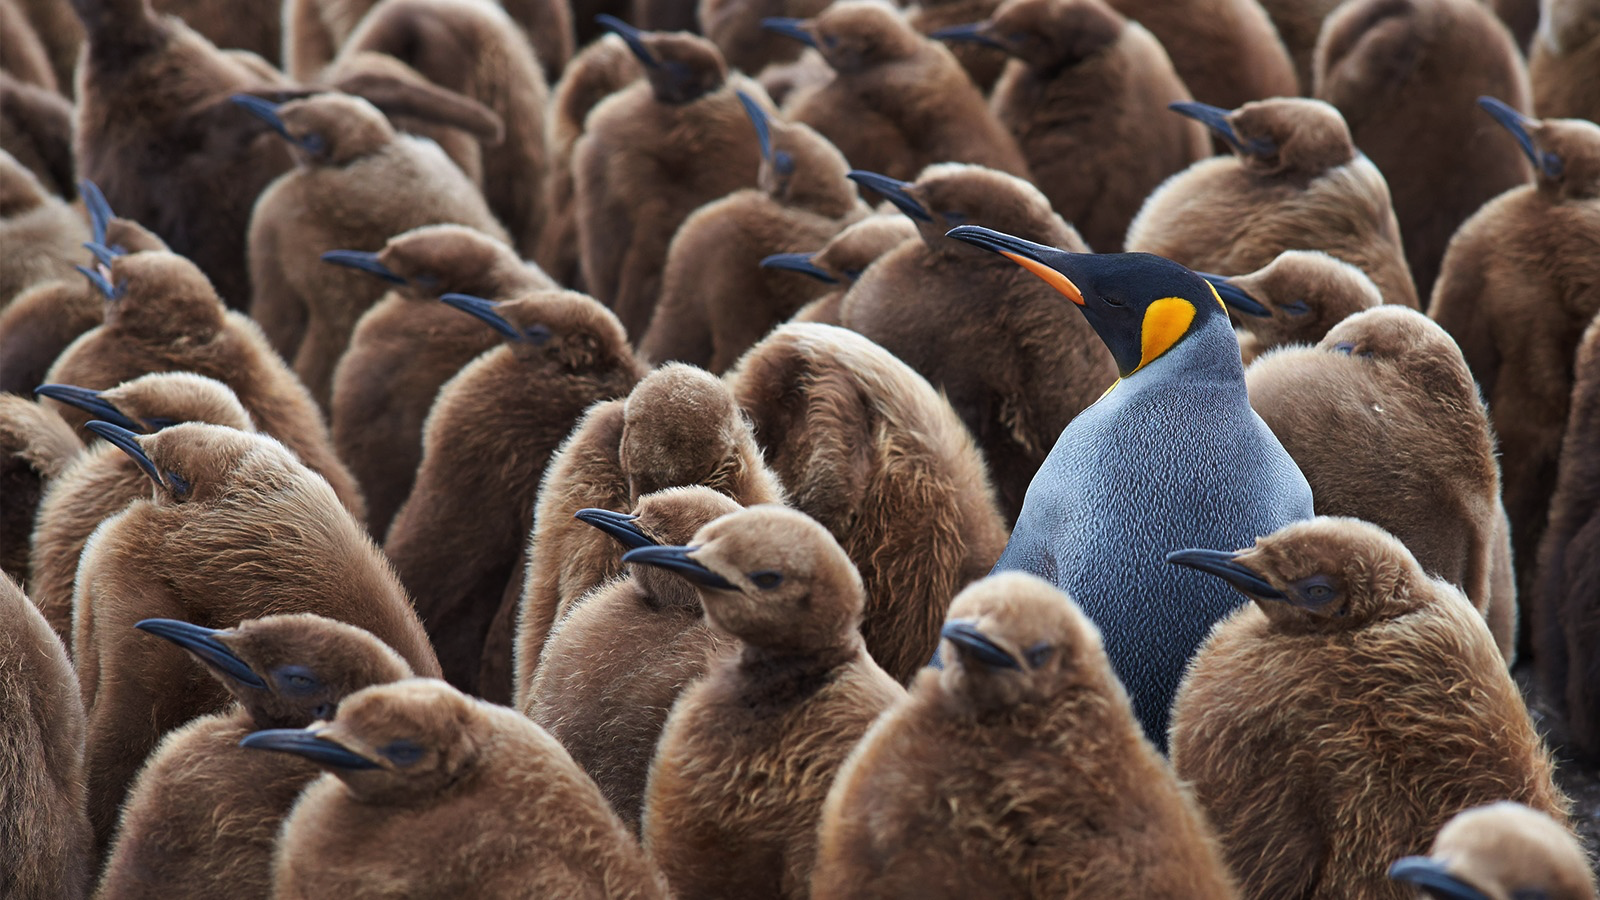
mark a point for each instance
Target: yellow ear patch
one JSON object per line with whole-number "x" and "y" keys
{"x": 1165, "y": 322}
{"x": 1217, "y": 295}
{"x": 1050, "y": 276}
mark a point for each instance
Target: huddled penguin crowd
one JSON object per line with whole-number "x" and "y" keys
{"x": 799, "y": 448}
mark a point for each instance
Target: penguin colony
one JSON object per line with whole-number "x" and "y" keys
{"x": 793, "y": 448}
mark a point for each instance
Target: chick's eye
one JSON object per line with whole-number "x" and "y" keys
{"x": 297, "y": 680}
{"x": 954, "y": 218}
{"x": 314, "y": 144}
{"x": 783, "y": 163}
{"x": 1038, "y": 654}
{"x": 1295, "y": 307}
{"x": 180, "y": 485}
{"x": 767, "y": 579}
{"x": 1344, "y": 347}
{"x": 401, "y": 752}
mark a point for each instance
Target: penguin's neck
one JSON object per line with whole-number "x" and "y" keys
{"x": 1207, "y": 358}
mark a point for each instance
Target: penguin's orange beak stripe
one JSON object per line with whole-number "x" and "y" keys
{"x": 1050, "y": 276}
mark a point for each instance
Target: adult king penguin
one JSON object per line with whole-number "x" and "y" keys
{"x": 1172, "y": 451}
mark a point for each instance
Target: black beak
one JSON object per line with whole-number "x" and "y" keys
{"x": 677, "y": 559}
{"x": 1236, "y": 299}
{"x": 632, "y": 35}
{"x": 366, "y": 262}
{"x": 758, "y": 118}
{"x": 621, "y": 526}
{"x": 894, "y": 190}
{"x": 483, "y": 310}
{"x": 975, "y": 33}
{"x": 1223, "y": 564}
{"x": 976, "y": 644}
{"x": 303, "y": 743}
{"x": 266, "y": 111}
{"x": 203, "y": 643}
{"x": 101, "y": 252}
{"x": 791, "y": 28}
{"x": 1432, "y": 877}
{"x": 798, "y": 262}
{"x": 1216, "y": 119}
{"x": 91, "y": 402}
{"x": 127, "y": 442}
{"x": 100, "y": 214}
{"x": 103, "y": 284}
{"x": 1518, "y": 124}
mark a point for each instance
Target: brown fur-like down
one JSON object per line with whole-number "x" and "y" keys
{"x": 1086, "y": 88}
{"x": 898, "y": 102}
{"x": 22, "y": 53}
{"x": 473, "y": 47}
{"x": 253, "y": 27}
{"x": 45, "y": 851}
{"x": 102, "y": 481}
{"x": 457, "y": 541}
{"x": 169, "y": 843}
{"x": 43, "y": 236}
{"x": 1563, "y": 60}
{"x": 679, "y": 426}
{"x": 716, "y": 299}
{"x": 36, "y": 445}
{"x": 1298, "y": 23}
{"x": 868, "y": 448}
{"x": 983, "y": 63}
{"x": 650, "y": 155}
{"x": 1232, "y": 215}
{"x": 237, "y": 529}
{"x": 1508, "y": 850}
{"x": 1328, "y": 733}
{"x": 1305, "y": 293}
{"x": 613, "y": 668}
{"x": 1395, "y": 69}
{"x": 1028, "y": 780}
{"x": 735, "y": 27}
{"x": 1227, "y": 51}
{"x": 61, "y": 34}
{"x": 749, "y": 750}
{"x": 407, "y": 346}
{"x": 487, "y": 804}
{"x": 168, "y": 319}
{"x": 365, "y": 184}
{"x": 1567, "y": 585}
{"x": 847, "y": 256}
{"x": 1516, "y": 292}
{"x": 946, "y": 308}
{"x": 1386, "y": 423}
{"x": 36, "y": 129}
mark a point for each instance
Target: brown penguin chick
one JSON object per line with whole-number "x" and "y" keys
{"x": 598, "y": 71}
{"x": 1394, "y": 69}
{"x": 1500, "y": 850}
{"x": 408, "y": 345}
{"x": 235, "y": 528}
{"x": 716, "y": 298}
{"x": 613, "y": 668}
{"x": 282, "y": 672}
{"x": 1312, "y": 789}
{"x": 357, "y": 183}
{"x": 1515, "y": 294}
{"x": 166, "y": 318}
{"x": 61, "y": 33}
{"x": 1227, "y": 51}
{"x": 840, "y": 262}
{"x": 868, "y": 448}
{"x": 45, "y": 851}
{"x": 473, "y": 47}
{"x": 650, "y": 155}
{"x": 1298, "y": 23}
{"x": 1562, "y": 61}
{"x": 1296, "y": 182}
{"x": 1015, "y": 362}
{"x": 749, "y": 750}
{"x": 433, "y": 795}
{"x": 735, "y": 27}
{"x": 1016, "y": 771}
{"x": 785, "y": 81}
{"x": 1414, "y": 453}
{"x": 1295, "y": 299}
{"x": 679, "y": 426}
{"x": 43, "y": 236}
{"x": 1085, "y": 80}
{"x": 983, "y": 63}
{"x": 457, "y": 541}
{"x": 548, "y": 26}
{"x": 22, "y": 53}
{"x": 256, "y": 28}
{"x": 898, "y": 102}
{"x": 103, "y": 480}
{"x": 36, "y": 129}
{"x": 36, "y": 446}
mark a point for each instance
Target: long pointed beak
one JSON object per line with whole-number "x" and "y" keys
{"x": 676, "y": 559}
{"x": 1518, "y": 124}
{"x": 203, "y": 643}
{"x": 621, "y": 526}
{"x": 633, "y": 36}
{"x": 967, "y": 638}
{"x": 1433, "y": 878}
{"x": 894, "y": 189}
{"x": 91, "y": 402}
{"x": 975, "y": 33}
{"x": 1026, "y": 254}
{"x": 363, "y": 260}
{"x": 127, "y": 442}
{"x": 798, "y": 262}
{"x": 484, "y": 310}
{"x": 266, "y": 111}
{"x": 305, "y": 744}
{"x": 100, "y": 214}
{"x": 1216, "y": 119}
{"x": 1224, "y": 564}
{"x": 790, "y": 28}
{"x": 102, "y": 283}
{"x": 758, "y": 118}
{"x": 1235, "y": 297}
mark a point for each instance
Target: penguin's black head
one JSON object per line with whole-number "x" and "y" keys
{"x": 1140, "y": 304}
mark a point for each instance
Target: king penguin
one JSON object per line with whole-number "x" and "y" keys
{"x": 1171, "y": 452}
